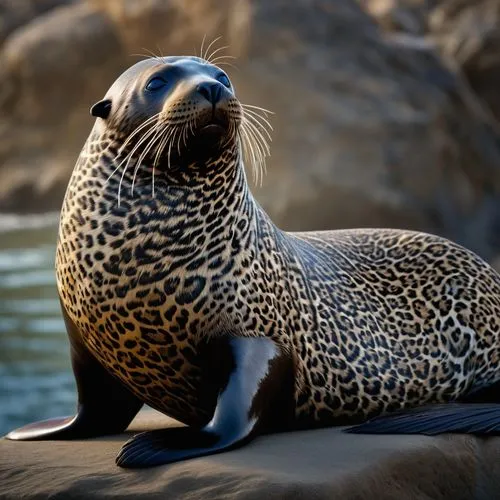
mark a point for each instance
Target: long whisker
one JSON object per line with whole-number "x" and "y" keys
{"x": 136, "y": 131}
{"x": 257, "y": 107}
{"x": 259, "y": 136}
{"x": 258, "y": 116}
{"x": 160, "y": 52}
{"x": 176, "y": 129}
{"x": 161, "y": 145}
{"x": 249, "y": 151}
{"x": 259, "y": 148}
{"x": 128, "y": 158}
{"x": 191, "y": 124}
{"x": 184, "y": 133}
{"x": 134, "y": 149}
{"x": 209, "y": 58}
{"x": 210, "y": 45}
{"x": 223, "y": 56}
{"x": 153, "y": 182}
{"x": 222, "y": 63}
{"x": 181, "y": 134}
{"x": 150, "y": 53}
{"x": 258, "y": 124}
{"x": 145, "y": 151}
{"x": 202, "y": 43}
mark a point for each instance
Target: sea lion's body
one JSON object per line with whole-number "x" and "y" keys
{"x": 160, "y": 287}
{"x": 375, "y": 319}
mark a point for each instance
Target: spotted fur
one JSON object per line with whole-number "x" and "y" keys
{"x": 375, "y": 319}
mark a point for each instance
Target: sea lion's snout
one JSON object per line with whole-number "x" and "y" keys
{"x": 211, "y": 91}
{"x": 208, "y": 105}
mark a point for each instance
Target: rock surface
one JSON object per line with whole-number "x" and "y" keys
{"x": 369, "y": 130}
{"x": 319, "y": 464}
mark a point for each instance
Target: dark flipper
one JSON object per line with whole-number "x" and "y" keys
{"x": 258, "y": 392}
{"x": 105, "y": 406}
{"x": 463, "y": 418}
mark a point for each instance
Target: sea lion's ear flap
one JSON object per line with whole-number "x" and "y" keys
{"x": 101, "y": 109}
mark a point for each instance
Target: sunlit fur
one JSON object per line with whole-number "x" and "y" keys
{"x": 374, "y": 320}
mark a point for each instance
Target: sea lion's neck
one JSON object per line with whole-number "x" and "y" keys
{"x": 204, "y": 222}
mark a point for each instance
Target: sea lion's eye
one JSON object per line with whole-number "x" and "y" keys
{"x": 224, "y": 80}
{"x": 156, "y": 83}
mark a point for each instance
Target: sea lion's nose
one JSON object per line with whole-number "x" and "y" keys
{"x": 211, "y": 91}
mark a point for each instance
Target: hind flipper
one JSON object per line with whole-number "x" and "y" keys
{"x": 461, "y": 418}
{"x": 105, "y": 406}
{"x": 258, "y": 391}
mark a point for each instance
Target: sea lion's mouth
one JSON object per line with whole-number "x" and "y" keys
{"x": 214, "y": 127}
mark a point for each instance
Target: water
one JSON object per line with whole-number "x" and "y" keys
{"x": 36, "y": 381}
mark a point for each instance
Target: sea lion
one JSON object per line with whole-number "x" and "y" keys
{"x": 178, "y": 291}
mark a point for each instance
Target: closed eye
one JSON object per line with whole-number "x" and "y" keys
{"x": 155, "y": 83}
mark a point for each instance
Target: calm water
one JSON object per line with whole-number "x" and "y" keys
{"x": 35, "y": 372}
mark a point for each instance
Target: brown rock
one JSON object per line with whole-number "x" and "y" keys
{"x": 317, "y": 464}
{"x": 468, "y": 36}
{"x": 15, "y": 13}
{"x": 49, "y": 70}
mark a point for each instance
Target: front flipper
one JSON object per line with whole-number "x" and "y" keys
{"x": 105, "y": 406}
{"x": 463, "y": 418}
{"x": 258, "y": 394}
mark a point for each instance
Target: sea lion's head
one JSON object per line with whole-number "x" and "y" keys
{"x": 176, "y": 113}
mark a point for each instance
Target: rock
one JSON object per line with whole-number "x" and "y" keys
{"x": 319, "y": 464}
{"x": 50, "y": 69}
{"x": 468, "y": 37}
{"x": 407, "y": 16}
{"x": 369, "y": 130}
{"x": 15, "y": 14}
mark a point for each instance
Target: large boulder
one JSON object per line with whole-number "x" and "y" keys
{"x": 369, "y": 130}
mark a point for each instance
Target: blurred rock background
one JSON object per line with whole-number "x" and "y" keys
{"x": 386, "y": 111}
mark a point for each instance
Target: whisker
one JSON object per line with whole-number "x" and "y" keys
{"x": 259, "y": 147}
{"x": 153, "y": 183}
{"x": 136, "y": 131}
{"x": 210, "y": 45}
{"x": 223, "y": 63}
{"x": 257, "y": 107}
{"x": 209, "y": 58}
{"x": 181, "y": 131}
{"x": 176, "y": 129}
{"x": 184, "y": 133}
{"x": 150, "y": 53}
{"x": 129, "y": 157}
{"x": 191, "y": 124}
{"x": 202, "y": 43}
{"x": 259, "y": 125}
{"x": 130, "y": 154}
{"x": 249, "y": 152}
{"x": 258, "y": 117}
{"x": 162, "y": 143}
{"x": 223, "y": 56}
{"x": 143, "y": 155}
{"x": 134, "y": 149}
{"x": 168, "y": 135}
{"x": 160, "y": 52}
{"x": 260, "y": 136}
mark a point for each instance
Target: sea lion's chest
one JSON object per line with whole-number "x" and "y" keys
{"x": 140, "y": 312}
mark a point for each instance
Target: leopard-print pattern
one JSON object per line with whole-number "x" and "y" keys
{"x": 375, "y": 319}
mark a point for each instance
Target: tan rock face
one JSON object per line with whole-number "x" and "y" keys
{"x": 368, "y": 131}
